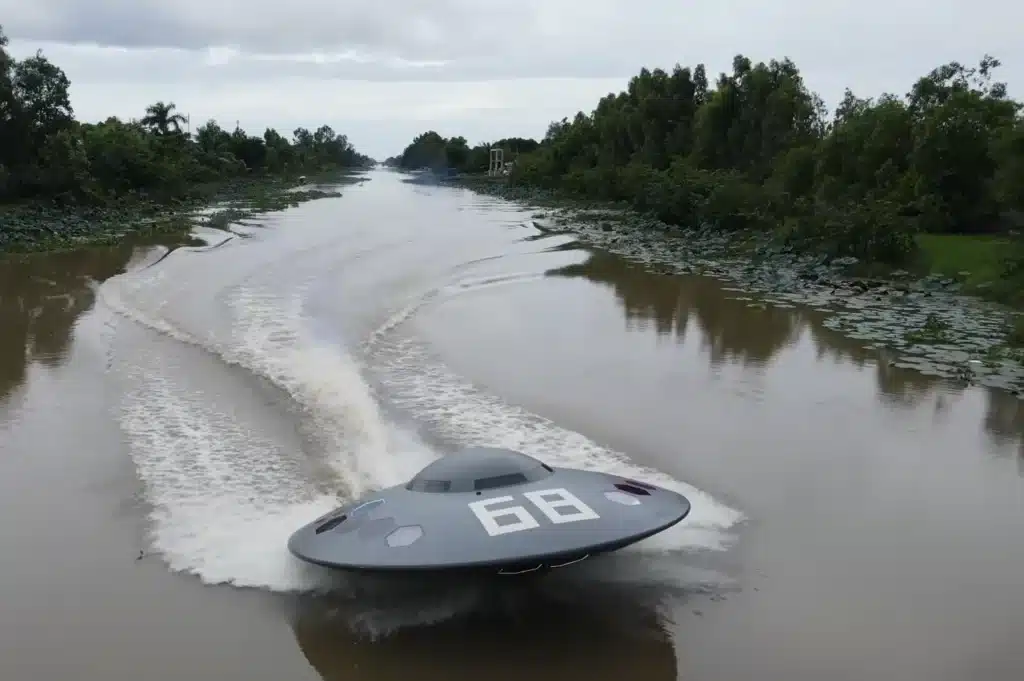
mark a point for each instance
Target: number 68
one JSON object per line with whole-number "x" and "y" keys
{"x": 550, "y": 502}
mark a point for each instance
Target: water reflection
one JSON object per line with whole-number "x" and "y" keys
{"x": 737, "y": 330}
{"x": 833, "y": 346}
{"x": 732, "y": 330}
{"x": 1004, "y": 423}
{"x": 528, "y": 636}
{"x": 904, "y": 388}
{"x": 897, "y": 388}
{"x": 41, "y": 296}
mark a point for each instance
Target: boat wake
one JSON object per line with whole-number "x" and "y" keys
{"x": 228, "y": 472}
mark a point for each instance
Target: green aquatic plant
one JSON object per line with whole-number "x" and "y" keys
{"x": 933, "y": 331}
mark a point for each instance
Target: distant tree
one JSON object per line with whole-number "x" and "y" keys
{"x": 758, "y": 150}
{"x": 45, "y": 152}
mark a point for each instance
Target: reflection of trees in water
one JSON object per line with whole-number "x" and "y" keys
{"x": 645, "y": 300}
{"x": 1004, "y": 422}
{"x": 734, "y": 331}
{"x": 731, "y": 329}
{"x": 905, "y": 388}
{"x": 833, "y": 345}
{"x": 41, "y": 296}
{"x": 554, "y": 641}
{"x": 751, "y": 335}
{"x": 908, "y": 389}
{"x": 899, "y": 388}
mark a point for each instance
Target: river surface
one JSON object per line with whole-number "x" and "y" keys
{"x": 169, "y": 415}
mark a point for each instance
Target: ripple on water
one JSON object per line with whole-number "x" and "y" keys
{"x": 224, "y": 499}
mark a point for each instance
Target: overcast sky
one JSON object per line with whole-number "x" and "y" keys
{"x": 383, "y": 71}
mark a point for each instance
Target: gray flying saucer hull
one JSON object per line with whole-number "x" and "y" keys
{"x": 486, "y": 508}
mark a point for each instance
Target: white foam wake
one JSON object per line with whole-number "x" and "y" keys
{"x": 269, "y": 337}
{"x": 416, "y": 382}
{"x": 327, "y": 382}
{"x": 223, "y": 500}
{"x": 225, "y": 496}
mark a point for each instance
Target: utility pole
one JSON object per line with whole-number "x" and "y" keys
{"x": 497, "y": 163}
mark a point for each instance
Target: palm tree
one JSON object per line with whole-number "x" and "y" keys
{"x": 161, "y": 121}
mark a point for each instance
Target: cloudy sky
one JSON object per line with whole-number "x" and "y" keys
{"x": 384, "y": 71}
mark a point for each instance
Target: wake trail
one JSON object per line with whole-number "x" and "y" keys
{"x": 225, "y": 494}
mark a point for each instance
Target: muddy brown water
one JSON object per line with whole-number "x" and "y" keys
{"x": 168, "y": 416}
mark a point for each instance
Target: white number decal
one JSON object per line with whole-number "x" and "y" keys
{"x": 550, "y": 502}
{"x": 563, "y": 498}
{"x": 489, "y": 517}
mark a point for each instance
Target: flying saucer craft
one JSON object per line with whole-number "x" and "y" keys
{"x": 491, "y": 509}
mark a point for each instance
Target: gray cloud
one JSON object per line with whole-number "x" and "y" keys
{"x": 481, "y": 49}
{"x": 416, "y": 29}
{"x": 507, "y": 38}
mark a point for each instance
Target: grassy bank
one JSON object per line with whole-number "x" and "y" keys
{"x": 916, "y": 317}
{"x": 65, "y": 182}
{"x": 924, "y": 185}
{"x": 35, "y": 226}
{"x": 976, "y": 262}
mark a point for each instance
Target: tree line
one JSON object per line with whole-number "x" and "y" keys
{"x": 759, "y": 150}
{"x": 432, "y": 151}
{"x": 45, "y": 153}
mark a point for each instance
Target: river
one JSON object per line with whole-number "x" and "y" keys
{"x": 170, "y": 413}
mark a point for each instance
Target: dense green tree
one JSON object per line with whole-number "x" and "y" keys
{"x": 160, "y": 119}
{"x": 46, "y": 153}
{"x": 431, "y": 150}
{"x": 759, "y": 150}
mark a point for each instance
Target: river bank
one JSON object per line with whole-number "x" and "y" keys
{"x": 169, "y": 427}
{"x": 41, "y": 226}
{"x": 925, "y": 322}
